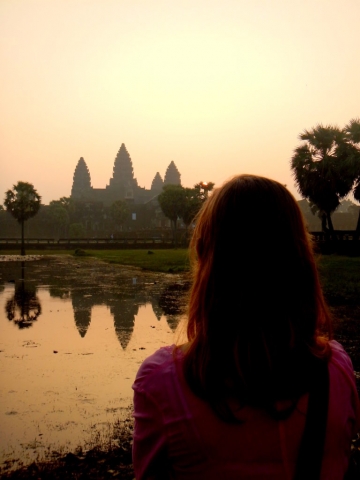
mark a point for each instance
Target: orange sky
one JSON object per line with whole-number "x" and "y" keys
{"x": 219, "y": 86}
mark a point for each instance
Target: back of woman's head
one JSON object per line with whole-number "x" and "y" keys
{"x": 256, "y": 305}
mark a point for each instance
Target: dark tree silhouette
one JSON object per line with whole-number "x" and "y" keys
{"x": 23, "y": 202}
{"x": 59, "y": 216}
{"x": 172, "y": 202}
{"x": 195, "y": 197}
{"x": 326, "y": 167}
{"x": 193, "y": 203}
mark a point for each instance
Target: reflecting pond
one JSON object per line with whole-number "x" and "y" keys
{"x": 73, "y": 333}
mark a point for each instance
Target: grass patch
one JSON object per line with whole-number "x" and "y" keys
{"x": 340, "y": 279}
{"x": 167, "y": 260}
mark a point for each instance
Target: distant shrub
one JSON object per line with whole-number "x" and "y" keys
{"x": 79, "y": 252}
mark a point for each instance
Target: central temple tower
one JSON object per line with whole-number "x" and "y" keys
{"x": 123, "y": 181}
{"x": 122, "y": 184}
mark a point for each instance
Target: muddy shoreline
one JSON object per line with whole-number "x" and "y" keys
{"x": 109, "y": 459}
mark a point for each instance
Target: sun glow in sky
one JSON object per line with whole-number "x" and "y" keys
{"x": 219, "y": 86}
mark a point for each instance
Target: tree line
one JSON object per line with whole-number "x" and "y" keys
{"x": 326, "y": 169}
{"x": 179, "y": 203}
{"x": 78, "y": 219}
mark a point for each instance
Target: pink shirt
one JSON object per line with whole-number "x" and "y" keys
{"x": 178, "y": 436}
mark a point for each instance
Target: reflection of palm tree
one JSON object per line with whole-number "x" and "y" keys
{"x": 24, "y": 307}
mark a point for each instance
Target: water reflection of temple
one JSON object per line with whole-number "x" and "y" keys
{"x": 172, "y": 302}
{"x": 82, "y": 306}
{"x": 123, "y": 301}
{"x": 124, "y": 312}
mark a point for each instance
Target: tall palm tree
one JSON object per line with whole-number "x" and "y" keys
{"x": 326, "y": 166}
{"x": 23, "y": 202}
{"x": 352, "y": 131}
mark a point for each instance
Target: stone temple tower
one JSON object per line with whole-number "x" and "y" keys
{"x": 172, "y": 175}
{"x": 157, "y": 183}
{"x": 81, "y": 187}
{"x": 123, "y": 181}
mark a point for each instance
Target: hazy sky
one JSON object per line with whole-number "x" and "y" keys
{"x": 219, "y": 86}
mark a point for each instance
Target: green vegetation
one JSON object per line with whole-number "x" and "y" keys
{"x": 168, "y": 261}
{"x": 340, "y": 278}
{"x": 177, "y": 202}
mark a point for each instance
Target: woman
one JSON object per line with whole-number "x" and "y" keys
{"x": 231, "y": 403}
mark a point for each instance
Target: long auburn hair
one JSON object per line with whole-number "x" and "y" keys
{"x": 257, "y": 316}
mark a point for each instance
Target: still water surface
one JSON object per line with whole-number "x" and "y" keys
{"x": 72, "y": 336}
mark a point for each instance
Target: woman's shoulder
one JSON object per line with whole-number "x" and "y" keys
{"x": 341, "y": 368}
{"x": 155, "y": 366}
{"x": 342, "y": 384}
{"x": 339, "y": 357}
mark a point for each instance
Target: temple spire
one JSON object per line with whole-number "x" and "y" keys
{"x": 81, "y": 180}
{"x": 172, "y": 175}
{"x": 123, "y": 172}
{"x": 157, "y": 183}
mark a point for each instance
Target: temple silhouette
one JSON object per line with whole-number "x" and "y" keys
{"x": 122, "y": 185}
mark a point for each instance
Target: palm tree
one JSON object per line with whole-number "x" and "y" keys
{"x": 326, "y": 167}
{"x": 23, "y": 202}
{"x": 352, "y": 131}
